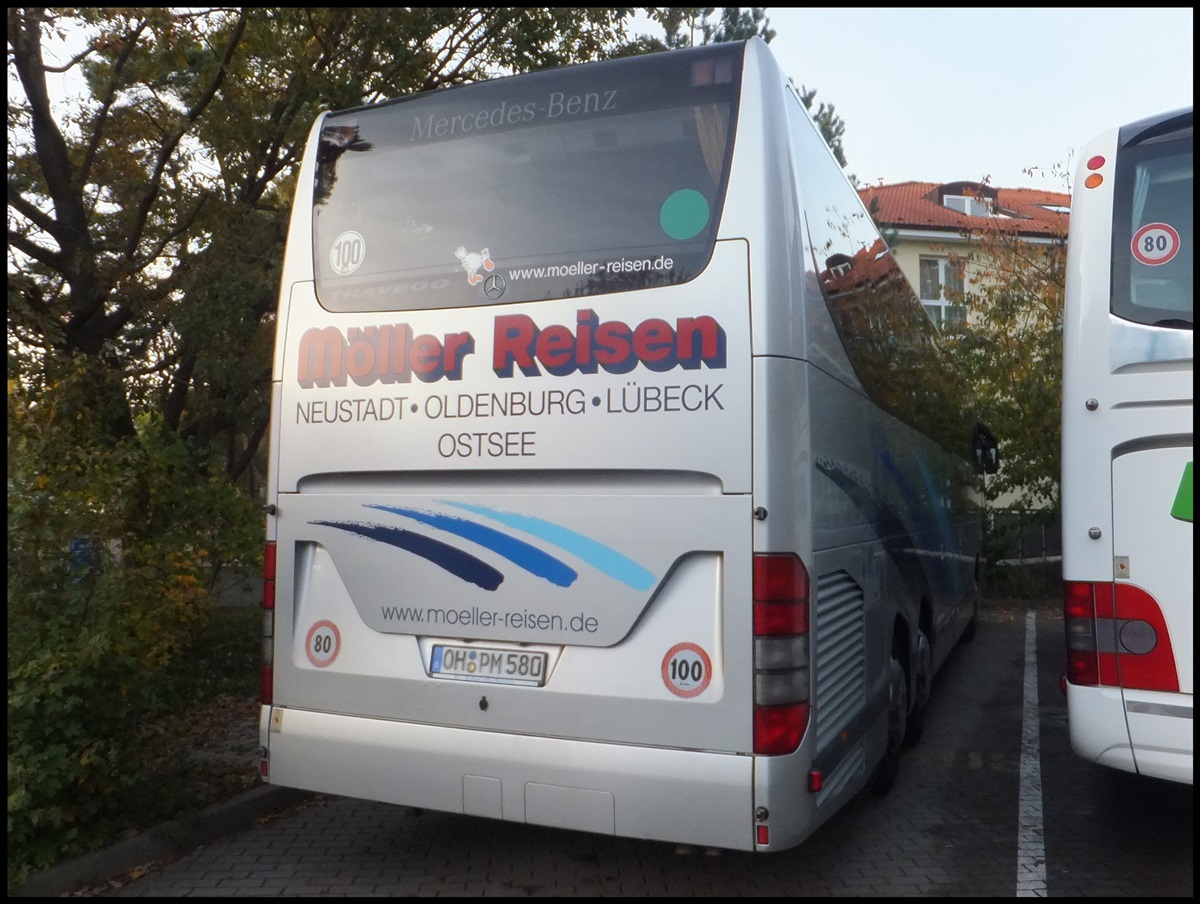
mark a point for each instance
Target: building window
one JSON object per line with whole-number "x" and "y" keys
{"x": 974, "y": 207}
{"x": 941, "y": 285}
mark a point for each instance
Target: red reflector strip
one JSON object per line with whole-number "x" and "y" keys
{"x": 266, "y": 682}
{"x": 763, "y": 835}
{"x": 268, "y": 593}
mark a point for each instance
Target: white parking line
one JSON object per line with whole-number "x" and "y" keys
{"x": 1031, "y": 847}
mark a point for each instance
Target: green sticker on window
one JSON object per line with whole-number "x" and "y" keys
{"x": 684, "y": 214}
{"x": 1182, "y": 509}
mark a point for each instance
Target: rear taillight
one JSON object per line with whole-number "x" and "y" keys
{"x": 1079, "y": 621}
{"x": 781, "y": 657}
{"x": 1117, "y": 637}
{"x": 267, "y": 671}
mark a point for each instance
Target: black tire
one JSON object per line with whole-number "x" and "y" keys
{"x": 972, "y": 627}
{"x": 886, "y": 773}
{"x": 922, "y": 682}
{"x": 969, "y": 631}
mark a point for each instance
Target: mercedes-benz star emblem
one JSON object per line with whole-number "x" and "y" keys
{"x": 493, "y": 286}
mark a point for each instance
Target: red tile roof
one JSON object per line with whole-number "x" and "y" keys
{"x": 914, "y": 205}
{"x": 869, "y": 265}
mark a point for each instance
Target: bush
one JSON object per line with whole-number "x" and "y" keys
{"x": 111, "y": 548}
{"x": 99, "y": 746}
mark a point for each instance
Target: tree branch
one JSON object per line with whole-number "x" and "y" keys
{"x": 165, "y": 153}
{"x": 50, "y": 148}
{"x": 53, "y": 260}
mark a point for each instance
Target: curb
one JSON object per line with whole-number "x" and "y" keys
{"x": 170, "y": 839}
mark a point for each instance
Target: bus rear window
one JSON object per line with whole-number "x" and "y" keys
{"x": 567, "y": 183}
{"x": 1152, "y": 235}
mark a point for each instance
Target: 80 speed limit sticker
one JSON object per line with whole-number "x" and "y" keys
{"x": 1155, "y": 244}
{"x": 323, "y": 643}
{"x": 686, "y": 670}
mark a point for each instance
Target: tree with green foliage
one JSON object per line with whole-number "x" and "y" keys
{"x": 98, "y": 627}
{"x": 682, "y": 26}
{"x": 687, "y": 26}
{"x": 1011, "y": 352}
{"x": 831, "y": 126}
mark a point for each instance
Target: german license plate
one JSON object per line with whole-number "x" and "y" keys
{"x": 492, "y": 666}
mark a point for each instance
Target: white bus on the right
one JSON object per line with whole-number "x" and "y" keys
{"x": 1127, "y": 450}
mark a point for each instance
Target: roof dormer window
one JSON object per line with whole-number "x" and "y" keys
{"x": 971, "y": 206}
{"x": 972, "y": 198}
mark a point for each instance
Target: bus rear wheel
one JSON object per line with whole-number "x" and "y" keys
{"x": 968, "y": 633}
{"x": 923, "y": 682}
{"x": 884, "y": 777}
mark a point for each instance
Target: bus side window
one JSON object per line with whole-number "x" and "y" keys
{"x": 890, "y": 342}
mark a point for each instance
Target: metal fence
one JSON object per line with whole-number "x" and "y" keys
{"x": 1023, "y": 537}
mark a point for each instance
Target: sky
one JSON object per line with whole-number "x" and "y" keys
{"x": 941, "y": 95}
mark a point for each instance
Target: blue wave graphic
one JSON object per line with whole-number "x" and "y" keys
{"x": 949, "y": 542}
{"x": 520, "y": 553}
{"x": 460, "y": 564}
{"x": 603, "y": 558}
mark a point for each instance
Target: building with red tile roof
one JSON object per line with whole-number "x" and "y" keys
{"x": 930, "y": 228}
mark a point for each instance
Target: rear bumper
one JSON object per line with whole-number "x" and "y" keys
{"x": 1136, "y": 731}
{"x": 678, "y": 796}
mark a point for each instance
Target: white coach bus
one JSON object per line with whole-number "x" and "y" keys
{"x": 617, "y": 481}
{"x": 1127, "y": 450}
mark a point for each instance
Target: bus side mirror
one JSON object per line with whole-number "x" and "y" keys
{"x": 985, "y": 450}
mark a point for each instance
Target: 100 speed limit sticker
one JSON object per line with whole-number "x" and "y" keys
{"x": 686, "y": 670}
